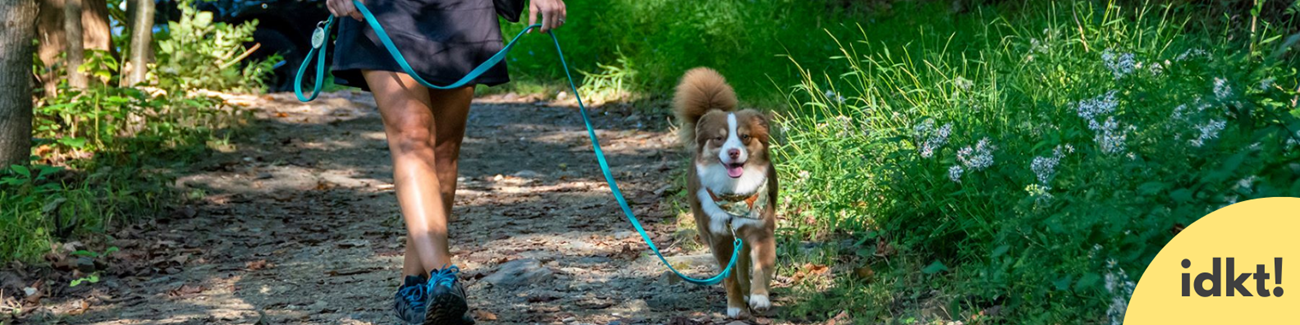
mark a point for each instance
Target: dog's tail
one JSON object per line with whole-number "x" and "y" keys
{"x": 701, "y": 90}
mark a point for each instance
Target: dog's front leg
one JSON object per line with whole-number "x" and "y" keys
{"x": 717, "y": 217}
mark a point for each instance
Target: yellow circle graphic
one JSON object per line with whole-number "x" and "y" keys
{"x": 1230, "y": 267}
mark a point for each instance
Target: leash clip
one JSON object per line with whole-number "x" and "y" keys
{"x": 318, "y": 36}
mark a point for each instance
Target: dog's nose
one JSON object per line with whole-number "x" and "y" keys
{"x": 733, "y": 153}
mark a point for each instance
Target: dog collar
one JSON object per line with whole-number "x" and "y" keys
{"x": 739, "y": 205}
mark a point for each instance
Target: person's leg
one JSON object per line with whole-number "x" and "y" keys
{"x": 407, "y": 112}
{"x": 450, "y": 109}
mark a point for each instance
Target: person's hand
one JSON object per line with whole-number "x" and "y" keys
{"x": 342, "y": 8}
{"x": 552, "y": 12}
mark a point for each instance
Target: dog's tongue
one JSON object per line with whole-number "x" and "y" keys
{"x": 735, "y": 170}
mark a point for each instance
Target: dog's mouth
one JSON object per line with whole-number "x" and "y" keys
{"x": 734, "y": 169}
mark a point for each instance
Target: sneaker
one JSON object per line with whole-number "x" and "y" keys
{"x": 446, "y": 299}
{"x": 410, "y": 300}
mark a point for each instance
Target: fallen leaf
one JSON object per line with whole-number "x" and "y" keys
{"x": 484, "y": 315}
{"x": 257, "y": 265}
{"x": 841, "y": 318}
{"x": 884, "y": 249}
{"x": 80, "y": 308}
{"x": 809, "y": 270}
{"x": 186, "y": 290}
{"x": 865, "y": 272}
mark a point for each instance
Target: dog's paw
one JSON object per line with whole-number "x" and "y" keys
{"x": 759, "y": 303}
{"x": 718, "y": 225}
{"x": 734, "y": 312}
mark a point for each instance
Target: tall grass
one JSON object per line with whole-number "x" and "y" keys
{"x": 1027, "y": 165}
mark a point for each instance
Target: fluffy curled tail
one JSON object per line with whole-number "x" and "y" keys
{"x": 700, "y": 91}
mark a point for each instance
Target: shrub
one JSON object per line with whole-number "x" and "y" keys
{"x": 116, "y": 138}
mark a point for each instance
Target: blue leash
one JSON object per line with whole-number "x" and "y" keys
{"x": 321, "y": 35}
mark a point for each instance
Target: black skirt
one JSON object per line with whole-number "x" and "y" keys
{"x": 442, "y": 40}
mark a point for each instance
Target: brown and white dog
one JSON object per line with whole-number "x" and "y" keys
{"x": 732, "y": 183}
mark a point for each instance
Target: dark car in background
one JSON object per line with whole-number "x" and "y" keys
{"x": 283, "y": 26}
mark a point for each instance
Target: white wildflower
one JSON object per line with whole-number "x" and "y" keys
{"x": 978, "y": 158}
{"x": 1036, "y": 46}
{"x": 1108, "y": 135}
{"x": 1247, "y": 184}
{"x": 1192, "y": 54}
{"x": 1156, "y": 68}
{"x": 963, "y": 83}
{"x": 1089, "y": 109}
{"x": 1209, "y": 131}
{"x": 1121, "y": 288}
{"x": 1179, "y": 112}
{"x": 955, "y": 172}
{"x": 834, "y": 96}
{"x": 1267, "y": 83}
{"x": 932, "y": 139}
{"x": 1119, "y": 65}
{"x": 1221, "y": 89}
{"x": 1045, "y": 167}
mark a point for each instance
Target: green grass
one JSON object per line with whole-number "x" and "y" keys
{"x": 643, "y": 46}
{"x": 1055, "y": 217}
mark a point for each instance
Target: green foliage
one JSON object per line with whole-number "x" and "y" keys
{"x": 112, "y": 144}
{"x": 1029, "y": 160}
{"x": 653, "y": 41}
{"x": 195, "y": 53}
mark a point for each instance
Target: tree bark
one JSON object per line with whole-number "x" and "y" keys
{"x": 76, "y": 50}
{"x": 141, "y": 40}
{"x": 17, "y": 29}
{"x": 95, "y": 34}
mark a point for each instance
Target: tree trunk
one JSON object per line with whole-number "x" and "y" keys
{"x": 141, "y": 40}
{"x": 76, "y": 50}
{"x": 52, "y": 42}
{"x": 17, "y": 29}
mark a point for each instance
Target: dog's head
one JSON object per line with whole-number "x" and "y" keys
{"x": 734, "y": 140}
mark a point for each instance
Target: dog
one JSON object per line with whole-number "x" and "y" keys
{"x": 732, "y": 183}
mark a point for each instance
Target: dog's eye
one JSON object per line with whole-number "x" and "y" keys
{"x": 744, "y": 137}
{"x": 717, "y": 138}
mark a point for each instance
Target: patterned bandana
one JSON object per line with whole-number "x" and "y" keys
{"x": 742, "y": 206}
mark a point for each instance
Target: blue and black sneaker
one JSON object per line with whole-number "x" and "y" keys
{"x": 446, "y": 299}
{"x": 409, "y": 302}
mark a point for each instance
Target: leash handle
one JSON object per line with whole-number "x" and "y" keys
{"x": 319, "y": 41}
{"x": 318, "y": 49}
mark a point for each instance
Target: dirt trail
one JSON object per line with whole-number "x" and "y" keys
{"x": 298, "y": 224}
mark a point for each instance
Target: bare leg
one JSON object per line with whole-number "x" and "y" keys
{"x": 449, "y": 130}
{"x": 411, "y": 126}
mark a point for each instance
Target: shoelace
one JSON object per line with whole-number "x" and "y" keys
{"x": 445, "y": 276}
{"x": 414, "y": 295}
